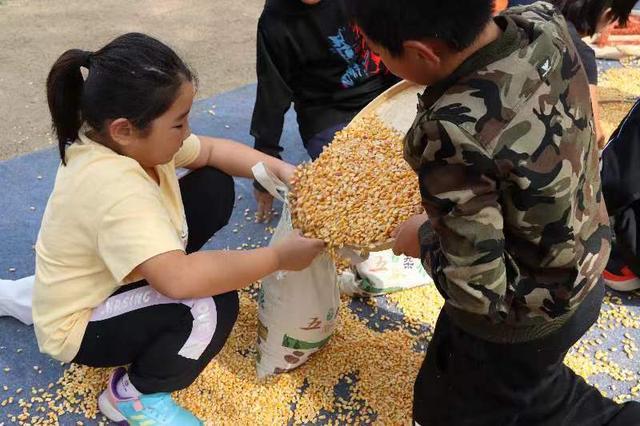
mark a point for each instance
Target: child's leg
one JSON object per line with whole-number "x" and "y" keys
{"x": 208, "y": 196}
{"x": 317, "y": 142}
{"x": 167, "y": 342}
{"x": 466, "y": 380}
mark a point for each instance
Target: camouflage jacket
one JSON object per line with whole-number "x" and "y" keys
{"x": 508, "y": 168}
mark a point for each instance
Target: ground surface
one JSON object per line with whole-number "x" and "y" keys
{"x": 316, "y": 394}
{"x": 217, "y": 37}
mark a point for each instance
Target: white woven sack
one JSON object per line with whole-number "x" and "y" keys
{"x": 297, "y": 311}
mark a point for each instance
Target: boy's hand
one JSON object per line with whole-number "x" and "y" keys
{"x": 406, "y": 236}
{"x": 265, "y": 205}
{"x": 296, "y": 252}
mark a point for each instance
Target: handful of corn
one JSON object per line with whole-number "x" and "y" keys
{"x": 358, "y": 191}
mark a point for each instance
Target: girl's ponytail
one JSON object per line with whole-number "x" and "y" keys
{"x": 64, "y": 95}
{"x": 135, "y": 77}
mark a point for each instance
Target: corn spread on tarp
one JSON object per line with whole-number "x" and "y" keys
{"x": 618, "y": 90}
{"x": 364, "y": 374}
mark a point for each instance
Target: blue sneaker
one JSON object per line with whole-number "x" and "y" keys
{"x": 157, "y": 409}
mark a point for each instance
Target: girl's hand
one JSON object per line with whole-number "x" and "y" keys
{"x": 296, "y": 252}
{"x": 265, "y": 206}
{"x": 285, "y": 172}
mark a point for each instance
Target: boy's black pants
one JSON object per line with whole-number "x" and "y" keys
{"x": 168, "y": 342}
{"x": 468, "y": 381}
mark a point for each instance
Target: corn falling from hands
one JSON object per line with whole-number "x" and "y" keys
{"x": 358, "y": 191}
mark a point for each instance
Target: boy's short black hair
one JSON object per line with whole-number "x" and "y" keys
{"x": 389, "y": 23}
{"x": 585, "y": 14}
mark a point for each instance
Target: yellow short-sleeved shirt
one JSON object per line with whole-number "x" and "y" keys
{"x": 104, "y": 217}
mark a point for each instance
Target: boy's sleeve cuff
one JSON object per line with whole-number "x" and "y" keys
{"x": 428, "y": 242}
{"x": 426, "y": 234}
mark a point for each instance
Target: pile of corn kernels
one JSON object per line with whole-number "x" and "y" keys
{"x": 617, "y": 88}
{"x": 377, "y": 364}
{"x": 358, "y": 190}
{"x": 624, "y": 79}
{"x": 374, "y": 355}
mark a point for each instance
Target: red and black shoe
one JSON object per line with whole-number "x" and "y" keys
{"x": 621, "y": 279}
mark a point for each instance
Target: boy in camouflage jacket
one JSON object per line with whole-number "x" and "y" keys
{"x": 517, "y": 234}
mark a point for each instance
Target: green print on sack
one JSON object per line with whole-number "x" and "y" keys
{"x": 366, "y": 285}
{"x": 290, "y": 342}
